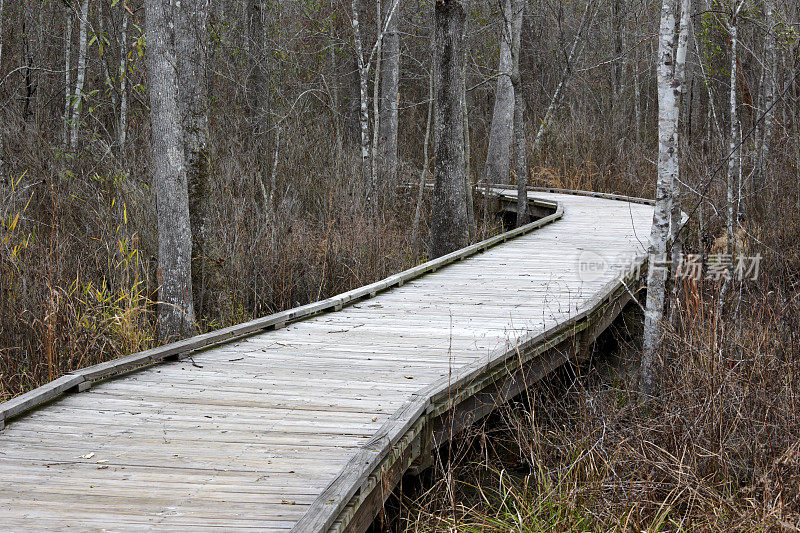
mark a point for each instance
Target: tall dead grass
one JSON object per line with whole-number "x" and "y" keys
{"x": 718, "y": 450}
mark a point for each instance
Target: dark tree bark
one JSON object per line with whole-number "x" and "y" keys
{"x": 449, "y": 230}
{"x": 191, "y": 47}
{"x": 175, "y": 308}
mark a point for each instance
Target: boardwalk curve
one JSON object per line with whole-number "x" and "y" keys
{"x": 308, "y": 426}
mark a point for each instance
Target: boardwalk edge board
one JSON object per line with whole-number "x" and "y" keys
{"x": 78, "y": 380}
{"x": 353, "y": 481}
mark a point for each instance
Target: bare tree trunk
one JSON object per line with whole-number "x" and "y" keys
{"x": 65, "y": 132}
{"x": 81, "y": 76}
{"x": 377, "y": 185}
{"x": 449, "y": 227}
{"x": 733, "y": 144}
{"x": 796, "y": 99}
{"x": 191, "y": 47}
{"x": 520, "y": 136}
{"x": 500, "y": 135}
{"x": 363, "y": 73}
{"x": 668, "y": 90}
{"x": 123, "y": 81}
{"x": 619, "y": 64}
{"x": 770, "y": 74}
{"x": 470, "y": 199}
{"x": 258, "y": 95}
{"x": 390, "y": 95}
{"x": 175, "y": 309}
{"x": 424, "y": 174}
{"x": 676, "y": 212}
{"x": 2, "y": 146}
{"x": 637, "y": 106}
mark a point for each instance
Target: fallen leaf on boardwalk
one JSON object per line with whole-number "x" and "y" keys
{"x": 87, "y": 456}
{"x": 287, "y": 502}
{"x": 409, "y": 377}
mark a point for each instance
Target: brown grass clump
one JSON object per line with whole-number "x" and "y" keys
{"x": 716, "y": 451}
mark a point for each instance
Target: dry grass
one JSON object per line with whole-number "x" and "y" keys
{"x": 716, "y": 451}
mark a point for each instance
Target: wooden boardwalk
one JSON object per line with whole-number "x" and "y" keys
{"x": 308, "y": 426}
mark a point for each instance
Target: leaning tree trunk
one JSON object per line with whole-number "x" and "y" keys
{"x": 667, "y": 169}
{"x": 81, "y": 76}
{"x": 555, "y": 100}
{"x": 449, "y": 230}
{"x": 390, "y": 79}
{"x": 501, "y": 132}
{"x": 191, "y": 47}
{"x": 175, "y": 309}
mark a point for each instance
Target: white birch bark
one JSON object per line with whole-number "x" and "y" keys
{"x": 80, "y": 77}
{"x": 667, "y": 169}
{"x": 680, "y": 83}
{"x": 175, "y": 309}
{"x": 364, "y": 64}
{"x": 501, "y": 132}
{"x": 377, "y": 186}
{"x": 363, "y": 73}
{"x": 123, "y": 81}
{"x": 449, "y": 227}
{"x": 65, "y": 133}
{"x": 733, "y": 145}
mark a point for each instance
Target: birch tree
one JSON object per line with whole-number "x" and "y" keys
{"x": 364, "y": 65}
{"x": 80, "y": 79}
{"x": 733, "y": 145}
{"x": 191, "y": 47}
{"x": 502, "y": 128}
{"x": 668, "y": 91}
{"x": 123, "y": 80}
{"x": 449, "y": 229}
{"x": 65, "y": 132}
{"x": 175, "y": 308}
{"x": 676, "y": 216}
